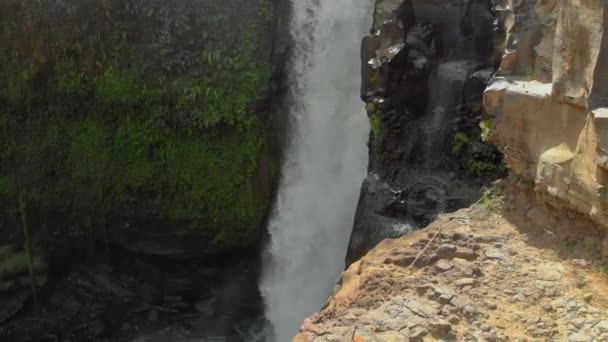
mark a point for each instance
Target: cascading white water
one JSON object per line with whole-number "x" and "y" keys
{"x": 325, "y": 161}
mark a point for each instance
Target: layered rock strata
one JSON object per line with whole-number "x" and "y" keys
{"x": 549, "y": 101}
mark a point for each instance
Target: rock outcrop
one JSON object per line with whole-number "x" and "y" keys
{"x": 549, "y": 101}
{"x": 472, "y": 275}
{"x": 425, "y": 66}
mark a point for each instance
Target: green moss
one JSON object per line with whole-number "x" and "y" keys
{"x": 116, "y": 87}
{"x": 485, "y": 168}
{"x": 17, "y": 263}
{"x": 6, "y": 251}
{"x": 376, "y": 124}
{"x": 375, "y": 119}
{"x": 459, "y": 142}
{"x": 491, "y": 198}
{"x": 486, "y": 130}
{"x": 87, "y": 132}
{"x": 14, "y": 268}
{"x": 206, "y": 180}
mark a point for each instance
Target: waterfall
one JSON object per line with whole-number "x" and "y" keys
{"x": 324, "y": 165}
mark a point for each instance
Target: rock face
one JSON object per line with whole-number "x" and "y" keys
{"x": 549, "y": 101}
{"x": 118, "y": 112}
{"x": 138, "y": 158}
{"x": 425, "y": 66}
{"x": 472, "y": 275}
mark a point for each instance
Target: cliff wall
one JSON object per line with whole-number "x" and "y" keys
{"x": 424, "y": 68}
{"x": 118, "y": 112}
{"x": 549, "y": 103}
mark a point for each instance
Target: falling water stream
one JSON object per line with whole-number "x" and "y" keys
{"x": 324, "y": 165}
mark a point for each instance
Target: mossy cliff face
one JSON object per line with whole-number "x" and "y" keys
{"x": 116, "y": 111}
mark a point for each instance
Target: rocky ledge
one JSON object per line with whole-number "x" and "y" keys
{"x": 474, "y": 275}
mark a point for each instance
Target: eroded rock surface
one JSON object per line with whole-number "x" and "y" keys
{"x": 473, "y": 276}
{"x": 549, "y": 101}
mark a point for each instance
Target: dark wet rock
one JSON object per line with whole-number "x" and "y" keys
{"x": 424, "y": 68}
{"x": 66, "y": 303}
{"x": 98, "y": 328}
{"x": 12, "y": 303}
{"x": 107, "y": 284}
{"x": 123, "y": 296}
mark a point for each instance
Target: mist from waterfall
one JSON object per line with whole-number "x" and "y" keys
{"x": 325, "y": 161}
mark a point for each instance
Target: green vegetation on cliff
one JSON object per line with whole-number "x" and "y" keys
{"x": 98, "y": 126}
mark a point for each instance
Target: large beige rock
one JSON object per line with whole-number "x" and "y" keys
{"x": 576, "y": 49}
{"x": 549, "y": 100}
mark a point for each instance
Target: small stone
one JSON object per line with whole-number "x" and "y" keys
{"x": 588, "y": 297}
{"x": 578, "y": 322}
{"x": 552, "y": 271}
{"x": 548, "y": 307}
{"x": 456, "y": 236}
{"x": 485, "y": 328}
{"x": 492, "y": 306}
{"x": 487, "y": 238}
{"x": 446, "y": 251}
{"x": 440, "y": 327}
{"x": 494, "y": 254}
{"x": 519, "y": 297}
{"x": 470, "y": 310}
{"x": 443, "y": 266}
{"x": 390, "y": 336}
{"x": 602, "y": 326}
{"x": 358, "y": 312}
{"x": 579, "y": 337}
{"x": 422, "y": 289}
{"x": 465, "y": 253}
{"x": 418, "y": 333}
{"x": 332, "y": 338}
{"x": 445, "y": 298}
{"x": 454, "y": 319}
{"x": 429, "y": 259}
{"x": 464, "y": 282}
